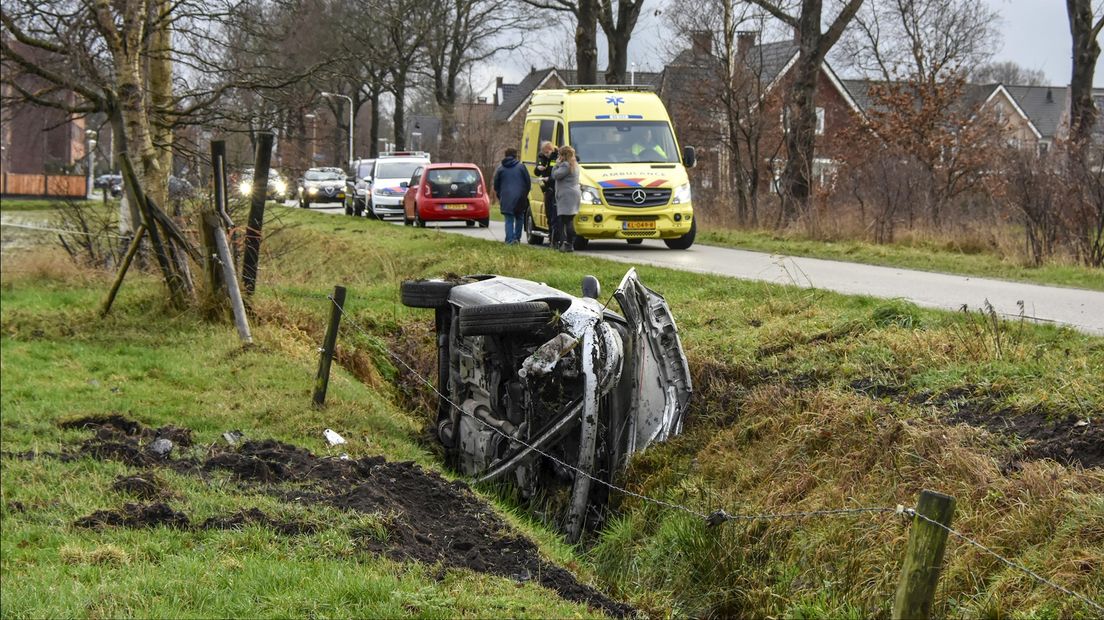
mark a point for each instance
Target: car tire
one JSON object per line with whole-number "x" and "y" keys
{"x": 407, "y": 221}
{"x": 485, "y": 222}
{"x": 469, "y": 223}
{"x": 426, "y": 293}
{"x": 418, "y": 221}
{"x": 580, "y": 243}
{"x": 372, "y": 212}
{"x": 304, "y": 204}
{"x": 530, "y": 236}
{"x": 684, "y": 242}
{"x": 499, "y": 319}
{"x": 348, "y": 209}
{"x": 635, "y": 241}
{"x": 358, "y": 208}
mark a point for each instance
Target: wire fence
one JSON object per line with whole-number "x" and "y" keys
{"x": 718, "y": 516}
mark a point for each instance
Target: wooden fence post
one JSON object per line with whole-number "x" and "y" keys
{"x": 322, "y": 380}
{"x": 256, "y": 211}
{"x": 924, "y": 558}
{"x": 229, "y": 275}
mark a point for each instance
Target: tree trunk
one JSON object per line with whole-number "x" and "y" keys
{"x": 373, "y": 148}
{"x": 586, "y": 42}
{"x": 800, "y": 141}
{"x": 398, "y": 118}
{"x": 161, "y": 101}
{"x": 618, "y": 46}
{"x": 618, "y": 33}
{"x": 1086, "y": 50}
{"x": 447, "y": 146}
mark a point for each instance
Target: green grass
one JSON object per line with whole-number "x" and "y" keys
{"x": 20, "y": 204}
{"x": 158, "y": 366}
{"x": 924, "y": 256}
{"x": 776, "y": 425}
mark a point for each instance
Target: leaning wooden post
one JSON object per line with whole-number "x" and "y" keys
{"x": 256, "y": 211}
{"x": 127, "y": 258}
{"x": 229, "y": 276}
{"x": 924, "y": 558}
{"x": 210, "y": 268}
{"x": 322, "y": 381}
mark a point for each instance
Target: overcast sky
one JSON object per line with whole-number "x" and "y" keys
{"x": 1035, "y": 35}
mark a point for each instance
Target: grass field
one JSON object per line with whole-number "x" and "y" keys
{"x": 925, "y": 256}
{"x": 803, "y": 400}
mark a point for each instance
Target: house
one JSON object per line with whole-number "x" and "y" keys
{"x": 693, "y": 86}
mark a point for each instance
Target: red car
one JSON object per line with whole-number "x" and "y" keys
{"x": 447, "y": 193}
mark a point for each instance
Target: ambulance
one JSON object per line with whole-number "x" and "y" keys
{"x": 632, "y": 173}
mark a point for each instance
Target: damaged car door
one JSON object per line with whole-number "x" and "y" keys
{"x": 551, "y": 391}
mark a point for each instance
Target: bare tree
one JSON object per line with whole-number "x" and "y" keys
{"x": 1084, "y": 33}
{"x": 1007, "y": 72}
{"x": 618, "y": 24}
{"x": 586, "y": 33}
{"x": 919, "y": 39}
{"x": 814, "y": 43}
{"x": 463, "y": 33}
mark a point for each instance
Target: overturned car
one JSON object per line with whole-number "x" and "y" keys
{"x": 547, "y": 390}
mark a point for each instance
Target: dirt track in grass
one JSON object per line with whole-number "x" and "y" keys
{"x": 427, "y": 518}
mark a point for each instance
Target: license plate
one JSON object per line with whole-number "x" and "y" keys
{"x": 456, "y": 207}
{"x": 638, "y": 225}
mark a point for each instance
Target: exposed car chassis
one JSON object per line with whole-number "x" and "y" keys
{"x": 544, "y": 389}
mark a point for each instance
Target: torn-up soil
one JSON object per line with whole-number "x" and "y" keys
{"x": 1068, "y": 440}
{"x": 255, "y": 516}
{"x": 428, "y": 518}
{"x": 146, "y": 485}
{"x": 136, "y": 516}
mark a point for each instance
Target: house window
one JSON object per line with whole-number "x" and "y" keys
{"x": 820, "y": 121}
{"x": 1044, "y": 147}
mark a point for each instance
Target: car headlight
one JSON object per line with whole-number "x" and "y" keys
{"x": 591, "y": 196}
{"x": 245, "y": 187}
{"x": 312, "y": 190}
{"x": 280, "y": 187}
{"x": 381, "y": 191}
{"x": 681, "y": 195}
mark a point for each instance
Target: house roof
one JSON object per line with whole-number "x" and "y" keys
{"x": 1044, "y": 105}
{"x": 767, "y": 60}
{"x": 515, "y": 96}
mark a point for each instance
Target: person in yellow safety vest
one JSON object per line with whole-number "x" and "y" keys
{"x": 647, "y": 148}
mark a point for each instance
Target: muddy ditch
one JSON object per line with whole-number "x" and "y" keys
{"x": 426, "y": 517}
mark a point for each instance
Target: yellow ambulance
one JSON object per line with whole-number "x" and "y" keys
{"x": 632, "y": 173}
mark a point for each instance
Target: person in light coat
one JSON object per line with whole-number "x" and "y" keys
{"x": 568, "y": 196}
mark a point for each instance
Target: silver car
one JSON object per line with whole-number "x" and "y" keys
{"x": 539, "y": 385}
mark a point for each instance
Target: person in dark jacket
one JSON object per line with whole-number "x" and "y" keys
{"x": 546, "y": 159}
{"x": 511, "y": 185}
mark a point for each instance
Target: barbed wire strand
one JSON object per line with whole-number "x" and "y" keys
{"x": 1036, "y": 576}
{"x": 720, "y": 516}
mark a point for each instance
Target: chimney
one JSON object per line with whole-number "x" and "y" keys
{"x": 1050, "y": 96}
{"x": 744, "y": 40}
{"x": 701, "y": 42}
{"x": 498, "y": 89}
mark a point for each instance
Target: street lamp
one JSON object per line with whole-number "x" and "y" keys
{"x": 91, "y": 135}
{"x": 350, "y": 99}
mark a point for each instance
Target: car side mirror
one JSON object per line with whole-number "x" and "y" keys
{"x": 689, "y": 157}
{"x": 404, "y": 185}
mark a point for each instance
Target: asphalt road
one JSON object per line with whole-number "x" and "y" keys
{"x": 1078, "y": 308}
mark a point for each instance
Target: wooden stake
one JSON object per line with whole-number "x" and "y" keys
{"x": 256, "y": 211}
{"x": 924, "y": 558}
{"x": 135, "y": 189}
{"x": 132, "y": 249}
{"x": 322, "y": 380}
{"x": 230, "y": 276}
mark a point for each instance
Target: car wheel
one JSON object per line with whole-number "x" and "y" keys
{"x": 530, "y": 236}
{"x": 418, "y": 221}
{"x": 469, "y": 223}
{"x": 348, "y": 209}
{"x": 358, "y": 208}
{"x": 580, "y": 243}
{"x": 304, "y": 204}
{"x": 635, "y": 241}
{"x": 407, "y": 221}
{"x": 685, "y": 241}
{"x": 495, "y": 319}
{"x": 426, "y": 293}
{"x": 485, "y": 222}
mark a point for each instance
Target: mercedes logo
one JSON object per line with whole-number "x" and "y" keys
{"x": 639, "y": 196}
